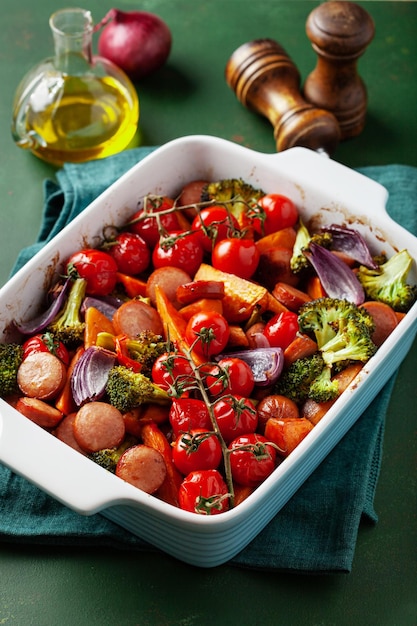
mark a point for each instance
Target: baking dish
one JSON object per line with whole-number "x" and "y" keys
{"x": 323, "y": 190}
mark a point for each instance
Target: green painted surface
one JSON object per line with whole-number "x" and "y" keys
{"x": 44, "y": 586}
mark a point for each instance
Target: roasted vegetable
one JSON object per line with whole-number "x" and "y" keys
{"x": 11, "y": 355}
{"x": 388, "y": 283}
{"x": 240, "y": 196}
{"x": 69, "y": 325}
{"x": 127, "y": 389}
{"x": 299, "y": 262}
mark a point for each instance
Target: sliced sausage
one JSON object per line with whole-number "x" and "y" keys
{"x": 65, "y": 432}
{"x": 98, "y": 425}
{"x": 290, "y": 296}
{"x": 41, "y": 375}
{"x": 191, "y": 194}
{"x": 195, "y": 290}
{"x": 135, "y": 316}
{"x": 385, "y": 320}
{"x": 143, "y": 467}
{"x": 169, "y": 278}
{"x": 39, "y": 412}
{"x": 276, "y": 406}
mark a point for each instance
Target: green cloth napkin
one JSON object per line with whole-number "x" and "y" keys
{"x": 316, "y": 531}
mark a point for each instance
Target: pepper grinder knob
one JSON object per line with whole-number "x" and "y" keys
{"x": 339, "y": 33}
{"x": 266, "y": 80}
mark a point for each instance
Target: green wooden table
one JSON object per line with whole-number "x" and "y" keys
{"x": 44, "y": 586}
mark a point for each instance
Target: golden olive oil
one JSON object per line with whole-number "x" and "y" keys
{"x": 79, "y": 118}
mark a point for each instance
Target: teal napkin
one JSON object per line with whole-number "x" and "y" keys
{"x": 316, "y": 531}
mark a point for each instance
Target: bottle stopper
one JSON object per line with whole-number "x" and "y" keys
{"x": 339, "y": 33}
{"x": 266, "y": 80}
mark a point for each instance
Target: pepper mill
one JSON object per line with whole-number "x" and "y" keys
{"x": 266, "y": 80}
{"x": 339, "y": 33}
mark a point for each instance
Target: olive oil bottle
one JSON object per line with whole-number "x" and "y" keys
{"x": 74, "y": 107}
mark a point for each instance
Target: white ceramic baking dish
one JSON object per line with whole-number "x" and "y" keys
{"x": 321, "y": 188}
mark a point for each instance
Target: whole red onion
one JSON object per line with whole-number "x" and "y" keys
{"x": 137, "y": 42}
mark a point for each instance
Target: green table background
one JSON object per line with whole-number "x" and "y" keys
{"x": 46, "y": 586}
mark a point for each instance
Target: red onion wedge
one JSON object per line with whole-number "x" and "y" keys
{"x": 351, "y": 242}
{"x": 90, "y": 374}
{"x": 338, "y": 280}
{"x": 265, "y": 363}
{"x": 40, "y": 322}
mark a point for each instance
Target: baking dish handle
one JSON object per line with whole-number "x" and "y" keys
{"x": 55, "y": 467}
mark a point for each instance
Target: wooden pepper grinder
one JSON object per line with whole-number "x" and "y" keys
{"x": 266, "y": 80}
{"x": 339, "y": 33}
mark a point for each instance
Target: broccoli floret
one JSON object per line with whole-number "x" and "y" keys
{"x": 109, "y": 457}
{"x": 323, "y": 388}
{"x": 69, "y": 326}
{"x": 127, "y": 389}
{"x": 321, "y": 317}
{"x": 11, "y": 355}
{"x": 295, "y": 381}
{"x": 351, "y": 343}
{"x": 145, "y": 348}
{"x": 389, "y": 284}
{"x": 299, "y": 262}
{"x": 241, "y": 197}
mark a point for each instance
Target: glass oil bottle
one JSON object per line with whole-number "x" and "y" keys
{"x": 74, "y": 107}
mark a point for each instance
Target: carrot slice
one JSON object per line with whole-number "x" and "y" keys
{"x": 95, "y": 323}
{"x": 204, "y": 304}
{"x": 302, "y": 346}
{"x": 65, "y": 402}
{"x": 134, "y": 287}
{"x": 315, "y": 289}
{"x": 153, "y": 437}
{"x": 284, "y": 237}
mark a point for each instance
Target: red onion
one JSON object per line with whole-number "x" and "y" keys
{"x": 352, "y": 243}
{"x": 39, "y": 323}
{"x": 266, "y": 363}
{"x": 137, "y": 42}
{"x": 90, "y": 374}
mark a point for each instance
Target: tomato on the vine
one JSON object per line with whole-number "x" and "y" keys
{"x": 210, "y": 332}
{"x": 232, "y": 376}
{"x": 173, "y": 373}
{"x": 188, "y": 413}
{"x": 215, "y": 223}
{"x": 252, "y": 459}
{"x": 97, "y": 267}
{"x": 236, "y": 256}
{"x": 235, "y": 416}
{"x": 282, "y": 329}
{"x": 276, "y": 212}
{"x": 197, "y": 449}
{"x": 181, "y": 249}
{"x": 130, "y": 252}
{"x": 46, "y": 342}
{"x": 204, "y": 492}
{"x": 147, "y": 227}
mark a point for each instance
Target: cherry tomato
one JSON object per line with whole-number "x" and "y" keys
{"x": 188, "y": 413}
{"x": 211, "y": 331}
{"x": 282, "y": 329}
{"x": 252, "y": 459}
{"x": 97, "y": 267}
{"x": 230, "y": 376}
{"x": 235, "y": 416}
{"x": 277, "y": 212}
{"x": 204, "y": 492}
{"x": 181, "y": 249}
{"x": 173, "y": 373}
{"x": 46, "y": 342}
{"x": 236, "y": 256}
{"x": 147, "y": 227}
{"x": 198, "y": 449}
{"x": 216, "y": 223}
{"x": 131, "y": 253}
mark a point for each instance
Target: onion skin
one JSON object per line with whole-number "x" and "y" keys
{"x": 138, "y": 42}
